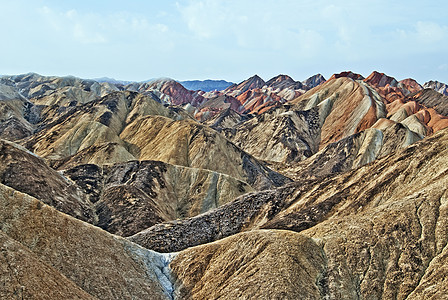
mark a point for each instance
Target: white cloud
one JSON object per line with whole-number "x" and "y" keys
{"x": 96, "y": 28}
{"x": 430, "y": 32}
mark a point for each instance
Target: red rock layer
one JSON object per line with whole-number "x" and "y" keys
{"x": 394, "y": 94}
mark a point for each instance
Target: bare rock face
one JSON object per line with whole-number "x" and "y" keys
{"x": 314, "y": 81}
{"x": 226, "y": 119}
{"x": 409, "y": 86}
{"x": 103, "y": 265}
{"x": 16, "y": 117}
{"x": 29, "y": 174}
{"x": 347, "y": 107}
{"x": 282, "y": 81}
{"x": 121, "y": 198}
{"x": 263, "y": 264}
{"x": 125, "y": 125}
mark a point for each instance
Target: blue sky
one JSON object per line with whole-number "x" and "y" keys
{"x": 224, "y": 39}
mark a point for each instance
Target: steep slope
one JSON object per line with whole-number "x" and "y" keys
{"x": 15, "y": 113}
{"x": 389, "y": 88}
{"x": 215, "y": 105}
{"x": 226, "y": 119}
{"x": 350, "y": 106}
{"x": 382, "y": 238}
{"x": 290, "y": 133}
{"x": 105, "y": 266}
{"x": 284, "y": 87}
{"x": 351, "y": 152}
{"x": 340, "y": 125}
{"x": 29, "y": 174}
{"x": 254, "y": 265}
{"x": 282, "y": 81}
{"x": 25, "y": 276}
{"x": 190, "y": 144}
{"x": 281, "y": 135}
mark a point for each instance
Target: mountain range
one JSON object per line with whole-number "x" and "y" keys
{"x": 277, "y": 189}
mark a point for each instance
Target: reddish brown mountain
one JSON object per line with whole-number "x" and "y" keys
{"x": 348, "y": 74}
{"x": 171, "y": 92}
{"x": 254, "y": 82}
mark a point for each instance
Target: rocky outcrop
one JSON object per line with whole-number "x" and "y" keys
{"x": 409, "y": 86}
{"x": 389, "y": 88}
{"x": 121, "y": 198}
{"x": 347, "y": 107}
{"x": 16, "y": 115}
{"x": 282, "y": 82}
{"x": 365, "y": 218}
{"x": 226, "y": 119}
{"x": 94, "y": 123}
{"x": 352, "y": 152}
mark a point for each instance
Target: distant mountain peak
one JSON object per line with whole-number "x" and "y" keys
{"x": 348, "y": 74}
{"x": 111, "y": 80}
{"x": 380, "y": 79}
{"x": 314, "y": 81}
{"x": 440, "y": 87}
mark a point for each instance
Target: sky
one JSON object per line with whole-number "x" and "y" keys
{"x": 224, "y": 39}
